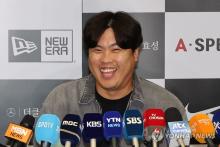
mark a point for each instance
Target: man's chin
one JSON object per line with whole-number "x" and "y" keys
{"x": 107, "y": 86}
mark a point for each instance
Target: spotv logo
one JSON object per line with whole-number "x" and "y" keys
{"x": 40, "y": 45}
{"x": 199, "y": 45}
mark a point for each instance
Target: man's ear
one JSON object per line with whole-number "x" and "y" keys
{"x": 136, "y": 54}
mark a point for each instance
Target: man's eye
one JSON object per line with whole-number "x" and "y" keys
{"x": 96, "y": 50}
{"x": 116, "y": 49}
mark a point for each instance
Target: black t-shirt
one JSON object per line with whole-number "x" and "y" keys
{"x": 119, "y": 105}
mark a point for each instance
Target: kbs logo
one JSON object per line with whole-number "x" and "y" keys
{"x": 200, "y": 45}
{"x": 40, "y": 46}
{"x": 94, "y": 124}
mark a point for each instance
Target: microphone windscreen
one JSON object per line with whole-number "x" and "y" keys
{"x": 25, "y": 127}
{"x": 172, "y": 114}
{"x": 47, "y": 128}
{"x": 70, "y": 129}
{"x": 177, "y": 129}
{"x": 154, "y": 124}
{"x": 112, "y": 124}
{"x": 17, "y": 133}
{"x": 92, "y": 127}
{"x": 133, "y": 125}
{"x": 28, "y": 121}
{"x": 201, "y": 127}
{"x": 216, "y": 122}
{"x": 154, "y": 117}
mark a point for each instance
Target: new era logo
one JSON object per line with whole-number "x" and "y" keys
{"x": 40, "y": 45}
{"x": 21, "y": 46}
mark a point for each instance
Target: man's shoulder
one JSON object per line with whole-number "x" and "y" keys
{"x": 71, "y": 85}
{"x": 64, "y": 97}
{"x": 155, "y": 91}
{"x": 160, "y": 97}
{"x": 149, "y": 86}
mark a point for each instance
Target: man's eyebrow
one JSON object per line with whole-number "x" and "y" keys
{"x": 111, "y": 45}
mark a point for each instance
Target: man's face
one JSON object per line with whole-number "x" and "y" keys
{"x": 111, "y": 65}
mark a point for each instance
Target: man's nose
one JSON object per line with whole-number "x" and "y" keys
{"x": 107, "y": 56}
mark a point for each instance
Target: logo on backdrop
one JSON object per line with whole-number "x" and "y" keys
{"x": 11, "y": 112}
{"x": 206, "y": 111}
{"x": 21, "y": 46}
{"x": 40, "y": 46}
{"x": 151, "y": 45}
{"x": 199, "y": 45}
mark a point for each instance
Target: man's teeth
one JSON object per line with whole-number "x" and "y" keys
{"x": 108, "y": 70}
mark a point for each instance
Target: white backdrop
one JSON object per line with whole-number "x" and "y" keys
{"x": 27, "y": 78}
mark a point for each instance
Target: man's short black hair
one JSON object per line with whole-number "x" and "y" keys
{"x": 126, "y": 29}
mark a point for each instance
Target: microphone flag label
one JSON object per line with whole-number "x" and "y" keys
{"x": 154, "y": 116}
{"x": 202, "y": 127}
{"x": 133, "y": 124}
{"x": 112, "y": 124}
{"x": 216, "y": 122}
{"x": 19, "y": 133}
{"x": 180, "y": 129}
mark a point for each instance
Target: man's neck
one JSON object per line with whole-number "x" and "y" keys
{"x": 113, "y": 94}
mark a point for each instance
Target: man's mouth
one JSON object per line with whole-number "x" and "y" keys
{"x": 108, "y": 72}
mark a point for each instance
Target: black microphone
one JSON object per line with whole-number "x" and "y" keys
{"x": 20, "y": 135}
{"x": 1, "y": 145}
{"x": 178, "y": 131}
{"x": 70, "y": 131}
{"x": 92, "y": 128}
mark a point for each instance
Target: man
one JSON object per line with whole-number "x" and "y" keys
{"x": 114, "y": 43}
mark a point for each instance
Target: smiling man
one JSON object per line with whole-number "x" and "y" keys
{"x": 113, "y": 42}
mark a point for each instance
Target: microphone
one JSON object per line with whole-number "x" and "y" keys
{"x": 112, "y": 126}
{"x": 92, "y": 128}
{"x": 20, "y": 135}
{"x": 154, "y": 125}
{"x": 1, "y": 145}
{"x": 202, "y": 129}
{"x": 133, "y": 126}
{"x": 216, "y": 123}
{"x": 47, "y": 130}
{"x": 178, "y": 130}
{"x": 70, "y": 130}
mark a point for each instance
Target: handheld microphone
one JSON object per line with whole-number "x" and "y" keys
{"x": 133, "y": 127}
{"x": 20, "y": 135}
{"x": 70, "y": 130}
{"x": 178, "y": 130}
{"x": 47, "y": 130}
{"x": 92, "y": 128}
{"x": 1, "y": 145}
{"x": 112, "y": 126}
{"x": 216, "y": 123}
{"x": 202, "y": 129}
{"x": 154, "y": 125}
